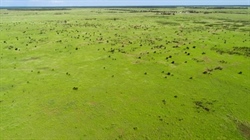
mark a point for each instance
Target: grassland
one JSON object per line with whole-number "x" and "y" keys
{"x": 125, "y": 74}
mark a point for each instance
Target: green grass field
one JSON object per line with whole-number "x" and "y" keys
{"x": 125, "y": 74}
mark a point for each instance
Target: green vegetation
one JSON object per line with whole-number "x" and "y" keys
{"x": 125, "y": 73}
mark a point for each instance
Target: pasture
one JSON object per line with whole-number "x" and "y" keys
{"x": 125, "y": 73}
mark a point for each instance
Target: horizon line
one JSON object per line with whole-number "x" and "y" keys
{"x": 126, "y": 6}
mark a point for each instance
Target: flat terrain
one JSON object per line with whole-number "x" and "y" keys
{"x": 125, "y": 73}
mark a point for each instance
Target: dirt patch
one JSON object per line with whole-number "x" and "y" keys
{"x": 31, "y": 58}
{"x": 243, "y": 127}
{"x": 245, "y": 130}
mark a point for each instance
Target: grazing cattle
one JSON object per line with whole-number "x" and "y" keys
{"x": 205, "y": 72}
{"x": 218, "y": 68}
{"x": 164, "y": 101}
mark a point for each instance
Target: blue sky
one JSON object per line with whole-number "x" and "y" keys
{"x": 119, "y": 2}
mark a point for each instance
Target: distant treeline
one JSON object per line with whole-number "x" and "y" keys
{"x": 123, "y": 8}
{"x": 173, "y": 12}
{"x": 219, "y": 7}
{"x": 37, "y": 9}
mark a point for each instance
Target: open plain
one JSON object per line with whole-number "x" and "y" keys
{"x": 125, "y": 73}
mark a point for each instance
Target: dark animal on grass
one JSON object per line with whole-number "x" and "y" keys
{"x": 218, "y": 68}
